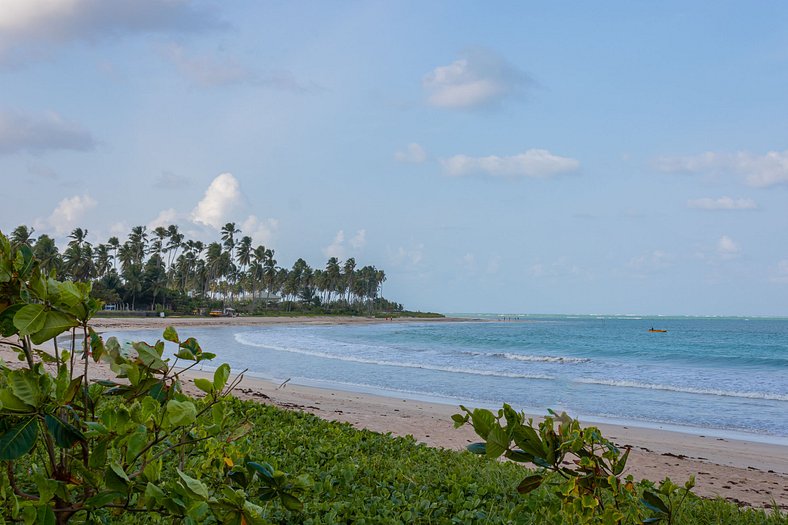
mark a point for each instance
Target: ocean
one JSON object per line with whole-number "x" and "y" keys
{"x": 715, "y": 376}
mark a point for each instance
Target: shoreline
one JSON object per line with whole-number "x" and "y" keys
{"x": 745, "y": 471}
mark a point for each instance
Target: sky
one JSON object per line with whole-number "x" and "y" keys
{"x": 523, "y": 157}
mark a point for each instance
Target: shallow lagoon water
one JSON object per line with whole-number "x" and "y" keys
{"x": 706, "y": 374}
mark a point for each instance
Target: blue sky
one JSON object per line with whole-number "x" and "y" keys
{"x": 623, "y": 157}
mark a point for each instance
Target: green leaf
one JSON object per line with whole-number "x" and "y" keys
{"x": 497, "y": 441}
{"x": 30, "y": 319}
{"x": 204, "y": 385}
{"x": 192, "y": 346}
{"x": 529, "y": 484}
{"x": 71, "y": 391}
{"x": 185, "y": 354}
{"x": 65, "y": 433}
{"x": 10, "y": 403}
{"x": 171, "y": 335}
{"x": 103, "y": 498}
{"x": 194, "y": 486}
{"x": 153, "y": 495}
{"x": 654, "y": 502}
{"x": 291, "y": 502}
{"x": 7, "y": 327}
{"x": 266, "y": 470}
{"x": 180, "y": 413}
{"x": 149, "y": 356}
{"x": 482, "y": 420}
{"x": 18, "y": 440}
{"x": 24, "y": 387}
{"x": 55, "y": 323}
{"x": 97, "y": 347}
{"x": 220, "y": 376}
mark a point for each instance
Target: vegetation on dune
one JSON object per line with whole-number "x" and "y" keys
{"x": 137, "y": 450}
{"x": 162, "y": 270}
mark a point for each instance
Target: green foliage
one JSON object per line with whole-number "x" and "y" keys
{"x": 76, "y": 451}
{"x": 578, "y": 465}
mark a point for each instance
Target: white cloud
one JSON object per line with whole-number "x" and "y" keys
{"x": 38, "y": 133}
{"x": 338, "y": 247}
{"x": 406, "y": 257}
{"x": 221, "y": 199}
{"x": 727, "y": 248}
{"x": 68, "y": 213}
{"x": 164, "y": 218}
{"x": 261, "y": 232}
{"x": 531, "y": 163}
{"x": 37, "y": 27}
{"x": 359, "y": 239}
{"x": 413, "y": 154}
{"x": 722, "y": 203}
{"x": 758, "y": 170}
{"x": 480, "y": 78}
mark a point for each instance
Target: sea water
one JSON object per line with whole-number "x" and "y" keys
{"x": 704, "y": 374}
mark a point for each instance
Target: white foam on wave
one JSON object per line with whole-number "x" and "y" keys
{"x": 530, "y": 357}
{"x": 684, "y": 389}
{"x": 403, "y": 364}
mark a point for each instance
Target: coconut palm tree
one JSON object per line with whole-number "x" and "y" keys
{"x": 22, "y": 235}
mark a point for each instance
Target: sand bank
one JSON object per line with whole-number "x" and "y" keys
{"x": 745, "y": 472}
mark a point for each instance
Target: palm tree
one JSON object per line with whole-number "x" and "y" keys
{"x": 138, "y": 242}
{"x": 114, "y": 243}
{"x": 228, "y": 235}
{"x": 46, "y": 252}
{"x": 102, "y": 263}
{"x": 22, "y": 235}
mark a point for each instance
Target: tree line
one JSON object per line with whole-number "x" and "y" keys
{"x": 161, "y": 269}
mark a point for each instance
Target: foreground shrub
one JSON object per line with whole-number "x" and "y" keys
{"x": 75, "y": 450}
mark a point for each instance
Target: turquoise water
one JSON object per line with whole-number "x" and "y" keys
{"x": 723, "y": 375}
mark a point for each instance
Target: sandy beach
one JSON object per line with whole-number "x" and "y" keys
{"x": 744, "y": 472}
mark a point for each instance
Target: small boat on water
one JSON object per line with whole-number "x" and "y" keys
{"x": 655, "y": 331}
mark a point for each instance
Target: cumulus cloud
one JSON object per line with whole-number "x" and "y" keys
{"x": 221, "y": 199}
{"x": 722, "y": 203}
{"x": 35, "y": 28}
{"x": 164, "y": 219}
{"x": 727, "y": 248}
{"x": 338, "y": 247}
{"x": 68, "y": 213}
{"x": 38, "y": 133}
{"x": 413, "y": 154}
{"x": 261, "y": 231}
{"x": 479, "y": 78}
{"x": 760, "y": 171}
{"x": 531, "y": 163}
